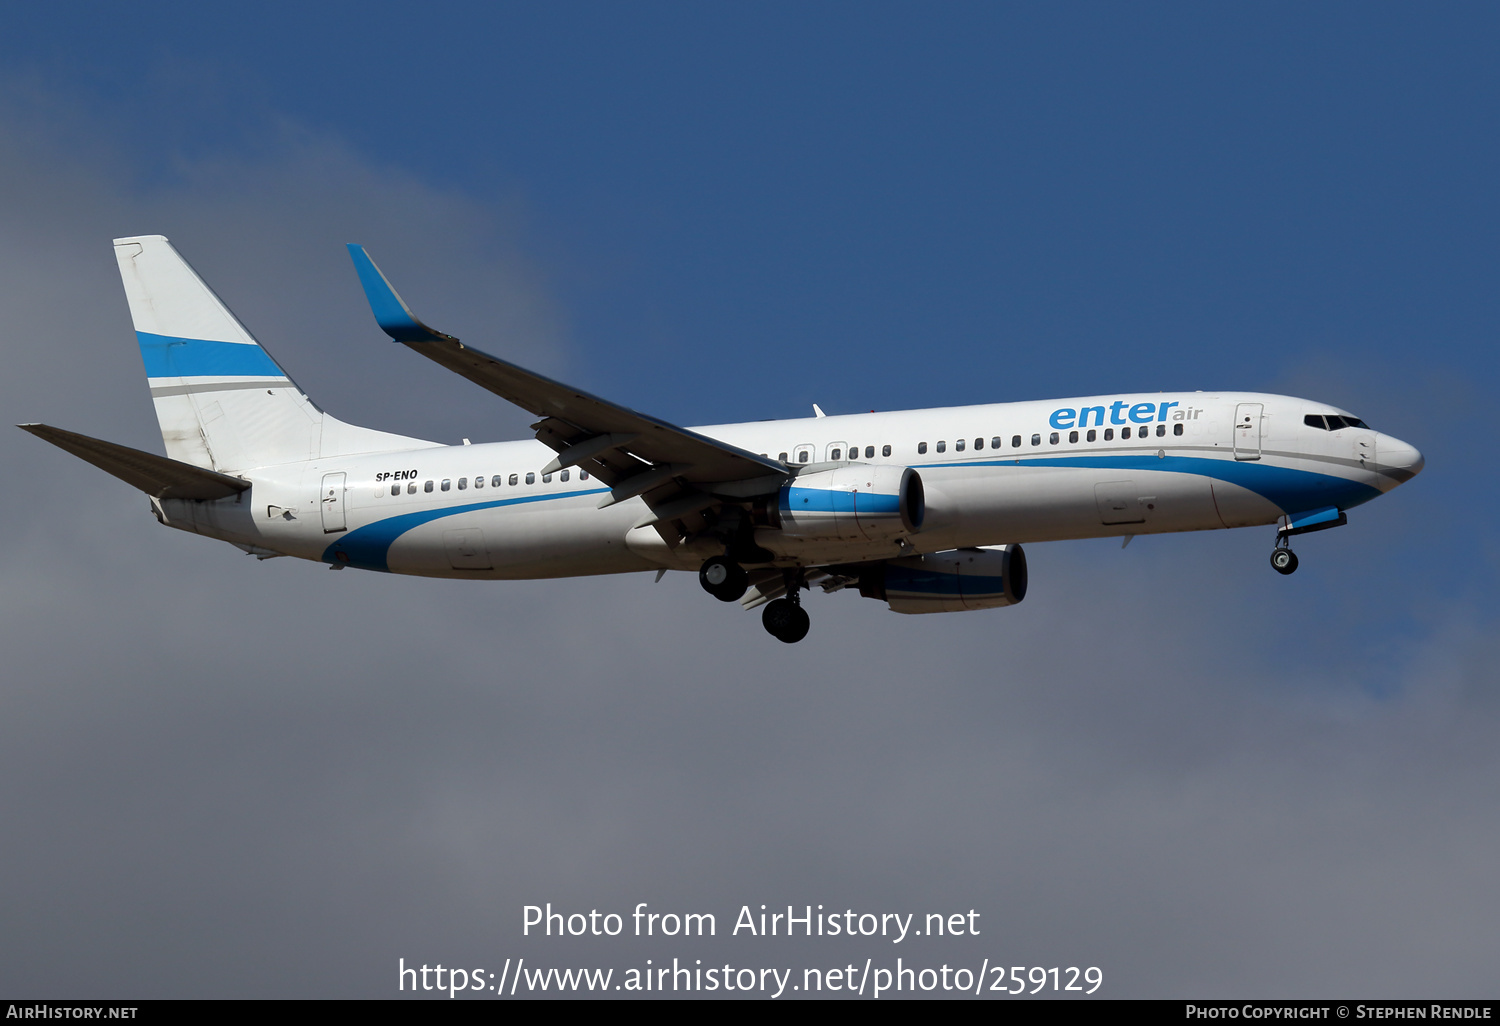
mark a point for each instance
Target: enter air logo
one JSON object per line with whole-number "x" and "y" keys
{"x": 1120, "y": 412}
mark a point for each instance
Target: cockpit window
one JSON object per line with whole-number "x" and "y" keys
{"x": 1333, "y": 422}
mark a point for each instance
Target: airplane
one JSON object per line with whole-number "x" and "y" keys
{"x": 925, "y": 510}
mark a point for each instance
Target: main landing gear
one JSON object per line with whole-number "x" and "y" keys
{"x": 786, "y": 620}
{"x": 1283, "y": 559}
{"x": 723, "y": 578}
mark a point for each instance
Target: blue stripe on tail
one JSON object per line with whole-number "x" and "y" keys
{"x": 169, "y": 357}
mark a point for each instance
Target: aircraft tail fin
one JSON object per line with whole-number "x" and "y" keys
{"x": 221, "y": 401}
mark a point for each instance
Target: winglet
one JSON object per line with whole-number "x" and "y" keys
{"x": 391, "y": 313}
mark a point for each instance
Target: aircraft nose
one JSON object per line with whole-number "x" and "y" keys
{"x": 1402, "y": 459}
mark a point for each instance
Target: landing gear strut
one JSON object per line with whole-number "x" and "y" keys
{"x": 1283, "y": 559}
{"x": 723, "y": 578}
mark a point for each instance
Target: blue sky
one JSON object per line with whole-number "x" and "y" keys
{"x": 716, "y": 212}
{"x": 1000, "y": 187}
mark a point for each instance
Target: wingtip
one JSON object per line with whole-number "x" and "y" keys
{"x": 391, "y": 312}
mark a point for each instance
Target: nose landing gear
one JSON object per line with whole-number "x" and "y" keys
{"x": 1283, "y": 559}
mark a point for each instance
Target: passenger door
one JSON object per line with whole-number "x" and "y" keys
{"x": 1247, "y": 419}
{"x": 332, "y": 502}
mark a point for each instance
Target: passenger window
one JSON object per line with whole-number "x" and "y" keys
{"x": 1124, "y": 432}
{"x": 1036, "y": 439}
{"x": 1092, "y": 434}
{"x": 531, "y": 479}
{"x": 781, "y": 456}
{"x": 1177, "y": 428}
{"x": 869, "y": 452}
{"x": 427, "y": 487}
{"x": 479, "y": 482}
{"x": 1109, "y": 434}
{"x": 447, "y": 484}
{"x": 583, "y": 475}
{"x": 885, "y": 450}
{"x": 958, "y": 446}
{"x": 921, "y": 448}
{"x": 1053, "y": 439}
{"x": 495, "y": 481}
{"x": 1072, "y": 437}
{"x": 563, "y": 476}
{"x": 463, "y": 483}
{"x": 979, "y": 443}
{"x": 995, "y": 442}
{"x": 1015, "y": 441}
{"x": 942, "y": 447}
{"x": 546, "y": 479}
{"x": 803, "y": 455}
{"x": 411, "y": 489}
{"x": 514, "y": 479}
{"x": 836, "y": 454}
{"x": 395, "y": 489}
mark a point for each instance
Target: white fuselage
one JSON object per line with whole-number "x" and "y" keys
{"x": 995, "y": 474}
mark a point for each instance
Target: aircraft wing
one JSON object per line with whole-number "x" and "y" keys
{"x": 679, "y": 471}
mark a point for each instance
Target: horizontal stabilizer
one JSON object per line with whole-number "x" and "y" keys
{"x": 155, "y": 475}
{"x": 391, "y": 312}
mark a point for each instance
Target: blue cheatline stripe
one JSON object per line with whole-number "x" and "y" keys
{"x": 1292, "y": 490}
{"x": 833, "y": 500}
{"x": 910, "y": 580}
{"x": 368, "y": 547}
{"x": 170, "y": 357}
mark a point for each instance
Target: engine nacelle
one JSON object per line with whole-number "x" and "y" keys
{"x": 873, "y": 503}
{"x": 949, "y": 582}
